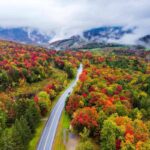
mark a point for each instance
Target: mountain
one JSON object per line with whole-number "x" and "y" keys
{"x": 98, "y": 36}
{"x": 145, "y": 41}
{"x": 106, "y": 33}
{"x": 24, "y": 35}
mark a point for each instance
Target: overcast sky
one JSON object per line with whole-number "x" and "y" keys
{"x": 67, "y": 17}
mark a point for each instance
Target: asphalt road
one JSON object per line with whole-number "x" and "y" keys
{"x": 49, "y": 131}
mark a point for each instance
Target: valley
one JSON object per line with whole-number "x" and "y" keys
{"x": 44, "y": 105}
{"x": 74, "y": 75}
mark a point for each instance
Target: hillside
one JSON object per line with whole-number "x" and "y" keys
{"x": 109, "y": 107}
{"x": 96, "y": 37}
{"x": 31, "y": 79}
{"x": 24, "y": 35}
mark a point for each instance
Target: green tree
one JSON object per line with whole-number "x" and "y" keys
{"x": 32, "y": 116}
{"x": 6, "y": 140}
{"x": 85, "y": 134}
{"x": 101, "y": 117}
{"x": 4, "y": 80}
{"x": 86, "y": 145}
{"x": 44, "y": 97}
{"x": 3, "y": 119}
{"x": 17, "y": 136}
{"x": 21, "y": 106}
{"x": 21, "y": 133}
{"x": 108, "y": 135}
{"x": 70, "y": 70}
{"x": 14, "y": 74}
{"x": 121, "y": 109}
{"x": 25, "y": 131}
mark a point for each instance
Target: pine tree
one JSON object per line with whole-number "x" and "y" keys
{"x": 6, "y": 141}
{"x": 16, "y": 135}
{"x": 32, "y": 116}
{"x": 25, "y": 132}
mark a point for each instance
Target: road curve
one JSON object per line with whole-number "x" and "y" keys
{"x": 47, "y": 138}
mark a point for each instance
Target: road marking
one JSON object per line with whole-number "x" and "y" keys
{"x": 51, "y": 126}
{"x": 52, "y": 118}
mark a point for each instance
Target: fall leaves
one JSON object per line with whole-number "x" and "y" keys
{"x": 86, "y": 117}
{"x": 111, "y": 101}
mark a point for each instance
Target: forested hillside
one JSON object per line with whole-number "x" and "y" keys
{"x": 111, "y": 104}
{"x": 31, "y": 78}
{"x": 109, "y": 107}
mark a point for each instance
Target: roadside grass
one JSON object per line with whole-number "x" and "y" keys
{"x": 59, "y": 137}
{"x": 33, "y": 143}
{"x": 36, "y": 137}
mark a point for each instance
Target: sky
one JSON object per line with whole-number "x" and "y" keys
{"x": 69, "y": 17}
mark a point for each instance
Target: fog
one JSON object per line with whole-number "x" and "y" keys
{"x": 69, "y": 17}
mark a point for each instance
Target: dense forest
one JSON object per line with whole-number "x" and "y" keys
{"x": 110, "y": 106}
{"x": 30, "y": 80}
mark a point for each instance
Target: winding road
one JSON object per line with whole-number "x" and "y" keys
{"x": 49, "y": 131}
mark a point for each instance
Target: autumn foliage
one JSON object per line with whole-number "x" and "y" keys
{"x": 112, "y": 97}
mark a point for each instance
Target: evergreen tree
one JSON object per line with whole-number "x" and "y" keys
{"x": 6, "y": 141}
{"x": 3, "y": 119}
{"x": 32, "y": 116}
{"x": 16, "y": 135}
{"x": 21, "y": 107}
{"x": 25, "y": 132}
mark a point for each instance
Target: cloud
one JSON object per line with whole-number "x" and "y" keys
{"x": 69, "y": 17}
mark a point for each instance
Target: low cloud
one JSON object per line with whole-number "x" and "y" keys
{"x": 69, "y": 17}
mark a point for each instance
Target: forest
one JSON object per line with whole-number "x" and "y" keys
{"x": 111, "y": 103}
{"x": 31, "y": 78}
{"x": 109, "y": 107}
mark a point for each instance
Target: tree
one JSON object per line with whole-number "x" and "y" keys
{"x": 17, "y": 136}
{"x": 21, "y": 133}
{"x": 108, "y": 135}
{"x": 73, "y": 103}
{"x": 85, "y": 134}
{"x": 3, "y": 120}
{"x": 44, "y": 97}
{"x": 87, "y": 145}
{"x": 101, "y": 118}
{"x": 6, "y": 140}
{"x": 25, "y": 131}
{"x": 127, "y": 146}
{"x": 4, "y": 80}
{"x": 21, "y": 106}
{"x": 85, "y": 117}
{"x": 43, "y": 108}
{"x": 83, "y": 76}
{"x": 121, "y": 109}
{"x": 14, "y": 74}
{"x": 32, "y": 116}
{"x": 70, "y": 70}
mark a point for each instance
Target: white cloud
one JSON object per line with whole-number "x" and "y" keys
{"x": 68, "y": 17}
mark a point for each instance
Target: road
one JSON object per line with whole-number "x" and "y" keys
{"x": 49, "y": 131}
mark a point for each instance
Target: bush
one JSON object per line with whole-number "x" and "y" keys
{"x": 108, "y": 135}
{"x": 4, "y": 80}
{"x": 14, "y": 74}
{"x": 44, "y": 97}
{"x": 87, "y": 145}
{"x": 6, "y": 140}
{"x": 43, "y": 108}
{"x": 121, "y": 109}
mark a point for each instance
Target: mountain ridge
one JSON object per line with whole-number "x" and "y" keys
{"x": 24, "y": 35}
{"x": 101, "y": 36}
